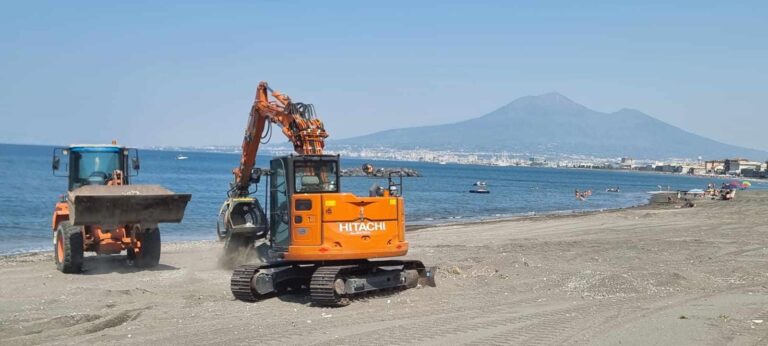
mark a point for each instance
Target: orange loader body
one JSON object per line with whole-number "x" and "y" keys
{"x": 102, "y": 213}
{"x": 96, "y": 238}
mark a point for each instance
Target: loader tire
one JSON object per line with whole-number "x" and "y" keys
{"x": 149, "y": 254}
{"x": 68, "y": 248}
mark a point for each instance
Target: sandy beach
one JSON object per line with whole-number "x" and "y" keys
{"x": 638, "y": 276}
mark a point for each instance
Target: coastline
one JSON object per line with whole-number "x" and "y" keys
{"x": 553, "y": 215}
{"x": 408, "y": 228}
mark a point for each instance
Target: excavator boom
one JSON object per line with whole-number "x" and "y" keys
{"x": 297, "y": 121}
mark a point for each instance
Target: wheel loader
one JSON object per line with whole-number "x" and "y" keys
{"x": 103, "y": 213}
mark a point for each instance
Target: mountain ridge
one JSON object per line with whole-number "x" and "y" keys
{"x": 552, "y": 123}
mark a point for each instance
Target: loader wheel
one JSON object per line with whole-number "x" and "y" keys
{"x": 149, "y": 254}
{"x": 68, "y": 249}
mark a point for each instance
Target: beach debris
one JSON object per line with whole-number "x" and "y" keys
{"x": 683, "y": 317}
{"x": 757, "y": 321}
{"x": 455, "y": 270}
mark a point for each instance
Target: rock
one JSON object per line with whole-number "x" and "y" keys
{"x": 379, "y": 172}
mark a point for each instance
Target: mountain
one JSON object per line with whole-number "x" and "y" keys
{"x": 553, "y": 124}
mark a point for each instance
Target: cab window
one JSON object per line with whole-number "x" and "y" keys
{"x": 95, "y": 166}
{"x": 315, "y": 176}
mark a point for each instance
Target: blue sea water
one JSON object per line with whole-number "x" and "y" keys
{"x": 29, "y": 191}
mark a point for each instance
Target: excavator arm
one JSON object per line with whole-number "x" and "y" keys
{"x": 297, "y": 121}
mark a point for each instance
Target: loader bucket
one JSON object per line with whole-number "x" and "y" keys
{"x": 125, "y": 204}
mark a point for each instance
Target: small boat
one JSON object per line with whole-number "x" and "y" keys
{"x": 613, "y": 189}
{"x": 181, "y": 157}
{"x": 480, "y": 187}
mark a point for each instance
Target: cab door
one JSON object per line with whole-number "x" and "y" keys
{"x": 279, "y": 206}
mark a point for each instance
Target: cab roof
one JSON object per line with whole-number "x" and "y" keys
{"x": 97, "y": 146}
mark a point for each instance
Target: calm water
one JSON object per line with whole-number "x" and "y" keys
{"x": 29, "y": 191}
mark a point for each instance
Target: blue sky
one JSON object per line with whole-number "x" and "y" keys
{"x": 168, "y": 73}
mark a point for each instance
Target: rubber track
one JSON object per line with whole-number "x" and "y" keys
{"x": 321, "y": 288}
{"x": 240, "y": 284}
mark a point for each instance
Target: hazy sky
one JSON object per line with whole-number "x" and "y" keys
{"x": 165, "y": 73}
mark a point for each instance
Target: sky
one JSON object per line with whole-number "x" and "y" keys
{"x": 151, "y": 73}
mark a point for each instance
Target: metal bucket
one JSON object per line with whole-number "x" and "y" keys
{"x": 125, "y": 204}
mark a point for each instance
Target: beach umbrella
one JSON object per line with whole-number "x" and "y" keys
{"x": 746, "y": 184}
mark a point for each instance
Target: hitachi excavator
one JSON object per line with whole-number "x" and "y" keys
{"x": 316, "y": 236}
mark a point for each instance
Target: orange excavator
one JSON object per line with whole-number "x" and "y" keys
{"x": 316, "y": 237}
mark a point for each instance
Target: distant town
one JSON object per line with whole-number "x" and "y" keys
{"x": 728, "y": 166}
{"x": 735, "y": 167}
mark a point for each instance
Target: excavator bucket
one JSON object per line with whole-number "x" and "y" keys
{"x": 125, "y": 204}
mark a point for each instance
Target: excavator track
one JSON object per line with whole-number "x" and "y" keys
{"x": 329, "y": 285}
{"x": 322, "y": 288}
{"x": 240, "y": 284}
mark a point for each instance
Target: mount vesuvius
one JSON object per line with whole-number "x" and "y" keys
{"x": 553, "y": 124}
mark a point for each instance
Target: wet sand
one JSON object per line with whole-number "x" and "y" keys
{"x": 636, "y": 276}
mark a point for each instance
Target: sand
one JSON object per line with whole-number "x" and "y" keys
{"x": 639, "y": 276}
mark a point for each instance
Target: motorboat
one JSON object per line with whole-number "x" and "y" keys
{"x": 480, "y": 187}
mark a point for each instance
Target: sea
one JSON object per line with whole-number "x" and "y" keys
{"x": 29, "y": 191}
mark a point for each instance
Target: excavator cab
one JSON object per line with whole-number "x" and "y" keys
{"x": 242, "y": 220}
{"x": 291, "y": 175}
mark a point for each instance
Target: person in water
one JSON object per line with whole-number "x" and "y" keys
{"x": 582, "y": 196}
